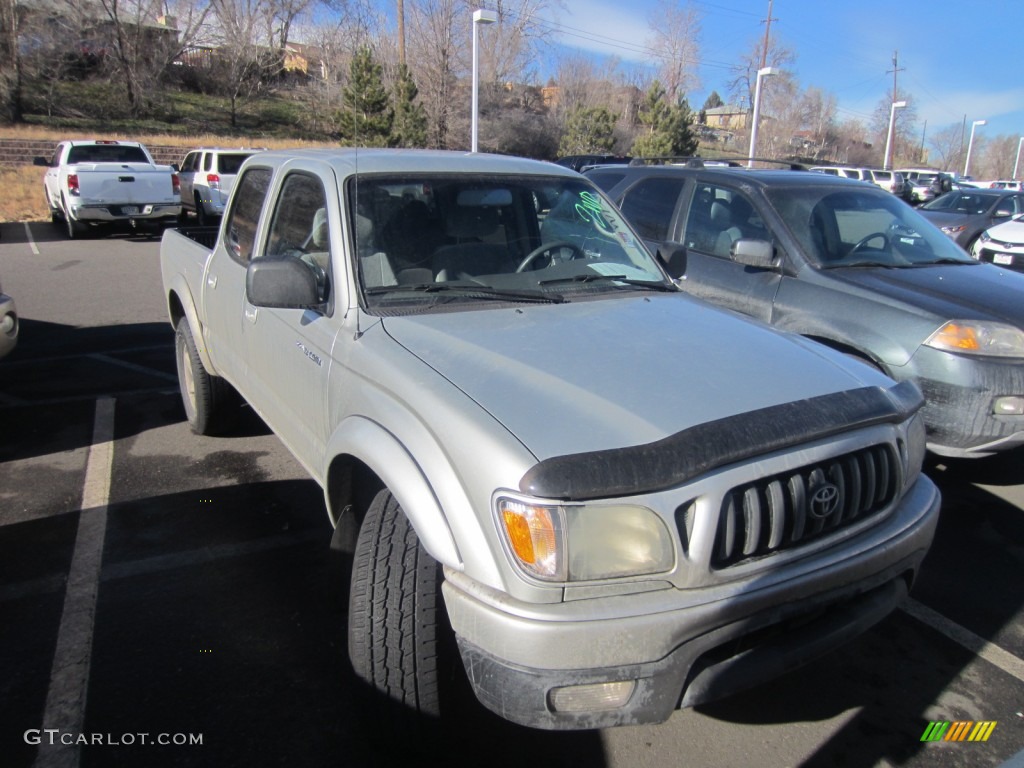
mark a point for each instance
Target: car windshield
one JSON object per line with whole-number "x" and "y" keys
{"x": 453, "y": 239}
{"x": 969, "y": 203}
{"x": 229, "y": 164}
{"x": 862, "y": 228}
{"x": 106, "y": 153}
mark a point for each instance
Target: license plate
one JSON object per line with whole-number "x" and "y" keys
{"x": 130, "y": 210}
{"x": 1002, "y": 258}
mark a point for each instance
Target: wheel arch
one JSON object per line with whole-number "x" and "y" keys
{"x": 180, "y": 305}
{"x": 365, "y": 458}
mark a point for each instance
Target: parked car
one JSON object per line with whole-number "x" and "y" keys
{"x": 846, "y": 172}
{"x": 963, "y": 214}
{"x": 890, "y": 181}
{"x": 1005, "y": 184}
{"x": 921, "y": 192}
{"x": 625, "y": 500}
{"x": 582, "y": 162}
{"x": 856, "y": 269}
{"x": 101, "y": 181}
{"x": 207, "y": 175}
{"x": 1002, "y": 244}
{"x": 8, "y": 324}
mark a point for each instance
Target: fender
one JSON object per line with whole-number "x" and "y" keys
{"x": 179, "y": 286}
{"x": 388, "y": 458}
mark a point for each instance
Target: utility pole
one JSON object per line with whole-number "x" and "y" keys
{"x": 895, "y": 70}
{"x": 767, "y": 30}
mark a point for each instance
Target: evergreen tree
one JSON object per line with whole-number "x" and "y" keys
{"x": 410, "y": 126}
{"x": 367, "y": 116}
{"x": 666, "y": 128}
{"x": 588, "y": 130}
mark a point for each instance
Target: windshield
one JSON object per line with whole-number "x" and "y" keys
{"x": 859, "y": 227}
{"x": 962, "y": 202}
{"x": 451, "y": 239}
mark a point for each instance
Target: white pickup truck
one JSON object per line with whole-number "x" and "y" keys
{"x": 619, "y": 499}
{"x": 91, "y": 182}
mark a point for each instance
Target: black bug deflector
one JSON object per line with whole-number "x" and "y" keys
{"x": 688, "y": 454}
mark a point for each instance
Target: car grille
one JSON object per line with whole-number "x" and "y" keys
{"x": 792, "y": 508}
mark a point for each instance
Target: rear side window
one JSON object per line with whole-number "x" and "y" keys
{"x": 605, "y": 180}
{"x": 650, "y": 206}
{"x": 229, "y": 164}
{"x": 244, "y": 216}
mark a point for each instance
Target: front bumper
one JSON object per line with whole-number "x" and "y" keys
{"x": 1008, "y": 255}
{"x": 682, "y": 647}
{"x": 960, "y": 393}
{"x": 125, "y": 212}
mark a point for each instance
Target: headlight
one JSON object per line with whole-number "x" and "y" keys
{"x": 978, "y": 338}
{"x": 953, "y": 231}
{"x": 984, "y": 237}
{"x": 558, "y": 542}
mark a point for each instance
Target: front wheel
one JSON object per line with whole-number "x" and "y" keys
{"x": 207, "y": 399}
{"x": 395, "y": 623}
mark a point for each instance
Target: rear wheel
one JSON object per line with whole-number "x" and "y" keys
{"x": 202, "y": 217}
{"x": 207, "y": 399}
{"x": 396, "y": 618}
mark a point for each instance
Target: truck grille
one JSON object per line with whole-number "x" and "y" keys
{"x": 790, "y": 509}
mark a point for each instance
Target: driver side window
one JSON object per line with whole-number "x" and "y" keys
{"x": 299, "y": 227}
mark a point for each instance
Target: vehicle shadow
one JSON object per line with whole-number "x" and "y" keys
{"x": 219, "y": 613}
{"x": 883, "y": 677}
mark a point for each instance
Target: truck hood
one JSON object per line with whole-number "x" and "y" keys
{"x": 950, "y": 292}
{"x": 604, "y": 374}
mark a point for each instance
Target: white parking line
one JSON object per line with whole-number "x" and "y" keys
{"x": 31, "y": 242}
{"x": 133, "y": 366}
{"x": 991, "y": 652}
{"x": 69, "y": 676}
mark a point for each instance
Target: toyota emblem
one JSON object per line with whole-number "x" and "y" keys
{"x": 824, "y": 501}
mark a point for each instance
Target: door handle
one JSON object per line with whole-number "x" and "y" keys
{"x": 251, "y": 313}
{"x": 211, "y": 281}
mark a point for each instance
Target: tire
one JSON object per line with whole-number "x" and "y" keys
{"x": 202, "y": 217}
{"x": 396, "y": 621}
{"x": 207, "y": 399}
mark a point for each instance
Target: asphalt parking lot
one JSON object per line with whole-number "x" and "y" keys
{"x": 170, "y": 600}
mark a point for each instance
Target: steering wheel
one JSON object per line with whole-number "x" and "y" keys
{"x": 865, "y": 240}
{"x": 577, "y": 253}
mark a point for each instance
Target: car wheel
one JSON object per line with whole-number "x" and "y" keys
{"x": 202, "y": 217}
{"x": 207, "y": 399}
{"x": 396, "y": 621}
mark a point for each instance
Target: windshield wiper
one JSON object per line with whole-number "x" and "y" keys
{"x": 461, "y": 289}
{"x": 857, "y": 264}
{"x": 654, "y": 285}
{"x": 944, "y": 260}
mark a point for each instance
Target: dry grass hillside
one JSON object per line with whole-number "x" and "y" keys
{"x": 21, "y": 187}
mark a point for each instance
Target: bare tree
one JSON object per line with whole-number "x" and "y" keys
{"x": 947, "y": 148}
{"x": 438, "y": 33}
{"x": 675, "y": 41}
{"x": 143, "y": 44}
{"x": 741, "y": 86}
{"x": 10, "y": 63}
{"x": 904, "y": 138}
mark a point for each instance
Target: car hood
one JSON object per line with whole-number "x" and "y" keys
{"x": 967, "y": 292}
{"x": 603, "y": 374}
{"x": 1008, "y": 232}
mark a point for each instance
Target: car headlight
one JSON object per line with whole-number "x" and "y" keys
{"x": 984, "y": 237}
{"x": 953, "y": 230}
{"x": 562, "y": 542}
{"x": 978, "y": 338}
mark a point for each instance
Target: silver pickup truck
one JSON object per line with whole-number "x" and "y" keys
{"x": 622, "y": 500}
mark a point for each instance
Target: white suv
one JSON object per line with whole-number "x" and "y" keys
{"x": 207, "y": 175}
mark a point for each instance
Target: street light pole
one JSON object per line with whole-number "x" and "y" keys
{"x": 763, "y": 72}
{"x": 480, "y": 16}
{"x": 1017, "y": 161}
{"x": 887, "y": 160}
{"x": 970, "y": 144}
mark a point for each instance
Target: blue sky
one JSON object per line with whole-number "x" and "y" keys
{"x": 958, "y": 57}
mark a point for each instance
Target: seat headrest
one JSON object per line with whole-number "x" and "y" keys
{"x": 721, "y": 216}
{"x": 321, "y": 236}
{"x": 465, "y": 221}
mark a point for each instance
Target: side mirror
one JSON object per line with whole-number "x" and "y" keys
{"x": 1003, "y": 213}
{"x": 282, "y": 283}
{"x": 754, "y": 253}
{"x": 675, "y": 264}
{"x": 41, "y": 161}
{"x": 175, "y": 168}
